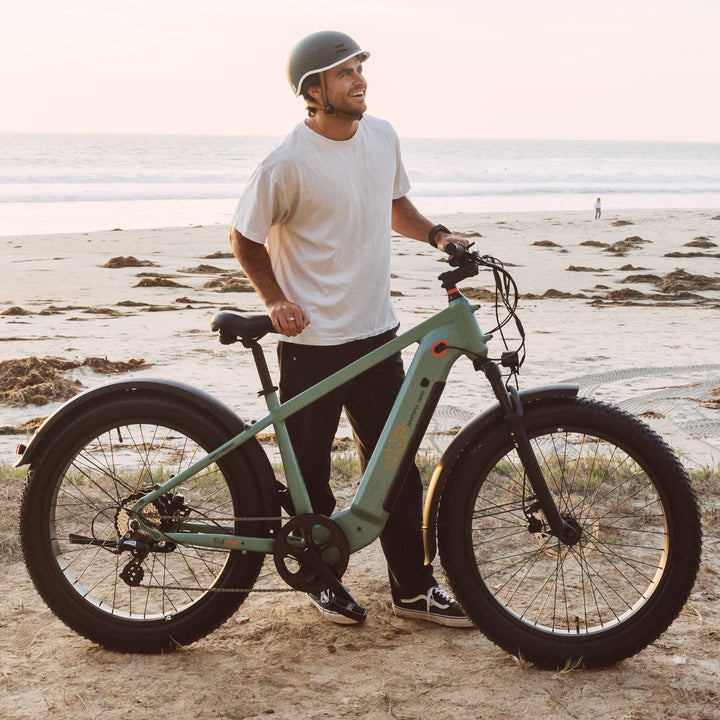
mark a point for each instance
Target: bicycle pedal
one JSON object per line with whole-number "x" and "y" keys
{"x": 350, "y": 609}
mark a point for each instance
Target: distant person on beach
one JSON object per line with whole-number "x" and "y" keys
{"x": 598, "y": 209}
{"x": 312, "y": 231}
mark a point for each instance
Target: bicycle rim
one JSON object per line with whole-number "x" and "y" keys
{"x": 634, "y": 556}
{"x": 595, "y": 584}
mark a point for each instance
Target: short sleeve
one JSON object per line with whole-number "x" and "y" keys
{"x": 261, "y": 204}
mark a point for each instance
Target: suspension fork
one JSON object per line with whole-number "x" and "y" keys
{"x": 510, "y": 402}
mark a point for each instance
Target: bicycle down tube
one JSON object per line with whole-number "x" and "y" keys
{"x": 441, "y": 340}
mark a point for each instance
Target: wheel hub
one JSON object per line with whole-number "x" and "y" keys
{"x": 123, "y": 518}
{"x": 583, "y": 527}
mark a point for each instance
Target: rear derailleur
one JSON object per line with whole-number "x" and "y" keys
{"x": 164, "y": 514}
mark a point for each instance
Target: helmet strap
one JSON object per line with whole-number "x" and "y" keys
{"x": 329, "y": 109}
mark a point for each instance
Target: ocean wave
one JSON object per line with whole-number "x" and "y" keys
{"x": 79, "y": 192}
{"x": 529, "y": 176}
{"x": 108, "y": 192}
{"x": 11, "y": 176}
{"x": 57, "y": 169}
{"x": 587, "y": 188}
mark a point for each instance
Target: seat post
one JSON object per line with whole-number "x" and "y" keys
{"x": 266, "y": 382}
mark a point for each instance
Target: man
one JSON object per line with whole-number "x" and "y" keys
{"x": 312, "y": 232}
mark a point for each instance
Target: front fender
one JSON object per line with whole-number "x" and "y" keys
{"x": 468, "y": 436}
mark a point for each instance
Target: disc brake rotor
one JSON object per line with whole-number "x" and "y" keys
{"x": 581, "y": 516}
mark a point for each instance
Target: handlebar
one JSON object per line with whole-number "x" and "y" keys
{"x": 467, "y": 263}
{"x": 455, "y": 249}
{"x": 459, "y": 253}
{"x": 460, "y": 256}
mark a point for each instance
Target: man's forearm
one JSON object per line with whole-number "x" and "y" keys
{"x": 408, "y": 221}
{"x": 255, "y": 261}
{"x": 288, "y": 318}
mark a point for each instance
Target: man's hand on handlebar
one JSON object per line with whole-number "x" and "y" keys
{"x": 444, "y": 239}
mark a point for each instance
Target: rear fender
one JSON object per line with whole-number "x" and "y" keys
{"x": 189, "y": 395}
{"x": 468, "y": 436}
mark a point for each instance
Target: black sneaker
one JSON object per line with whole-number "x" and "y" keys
{"x": 337, "y": 610}
{"x": 435, "y": 606}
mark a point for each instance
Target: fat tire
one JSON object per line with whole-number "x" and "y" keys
{"x": 101, "y": 608}
{"x": 637, "y": 507}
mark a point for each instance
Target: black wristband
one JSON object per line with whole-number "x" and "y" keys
{"x": 434, "y": 232}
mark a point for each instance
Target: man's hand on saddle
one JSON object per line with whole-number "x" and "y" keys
{"x": 288, "y": 318}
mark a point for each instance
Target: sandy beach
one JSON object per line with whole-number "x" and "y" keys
{"x": 627, "y": 306}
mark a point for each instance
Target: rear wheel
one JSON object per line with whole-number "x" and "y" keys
{"x": 624, "y": 580}
{"x": 142, "y": 595}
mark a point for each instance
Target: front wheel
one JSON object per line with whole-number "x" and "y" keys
{"x": 635, "y": 556}
{"x": 118, "y": 586}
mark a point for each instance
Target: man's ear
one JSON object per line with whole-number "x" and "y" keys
{"x": 315, "y": 92}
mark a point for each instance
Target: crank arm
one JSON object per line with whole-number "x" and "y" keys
{"x": 349, "y": 607}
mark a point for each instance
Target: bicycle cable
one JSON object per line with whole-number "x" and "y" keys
{"x": 506, "y": 296}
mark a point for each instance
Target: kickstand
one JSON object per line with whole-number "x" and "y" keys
{"x": 344, "y": 602}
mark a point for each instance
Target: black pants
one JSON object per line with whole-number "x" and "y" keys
{"x": 367, "y": 401}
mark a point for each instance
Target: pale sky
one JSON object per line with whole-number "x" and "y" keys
{"x": 571, "y": 69}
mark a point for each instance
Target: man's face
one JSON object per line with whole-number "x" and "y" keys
{"x": 346, "y": 87}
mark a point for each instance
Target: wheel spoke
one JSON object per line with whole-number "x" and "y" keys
{"x": 102, "y": 479}
{"x": 622, "y": 545}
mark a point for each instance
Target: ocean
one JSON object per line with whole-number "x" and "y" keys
{"x": 52, "y": 183}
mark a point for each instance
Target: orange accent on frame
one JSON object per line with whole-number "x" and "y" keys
{"x": 440, "y": 348}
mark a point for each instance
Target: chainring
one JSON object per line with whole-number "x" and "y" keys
{"x": 316, "y": 533}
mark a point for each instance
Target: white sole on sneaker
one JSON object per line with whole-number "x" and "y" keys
{"x": 447, "y": 620}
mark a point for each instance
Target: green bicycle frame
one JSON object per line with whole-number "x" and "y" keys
{"x": 441, "y": 340}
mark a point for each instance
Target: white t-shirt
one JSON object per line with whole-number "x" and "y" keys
{"x": 324, "y": 209}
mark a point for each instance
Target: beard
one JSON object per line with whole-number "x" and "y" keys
{"x": 342, "y": 105}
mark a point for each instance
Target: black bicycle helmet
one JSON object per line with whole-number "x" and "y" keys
{"x": 319, "y": 52}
